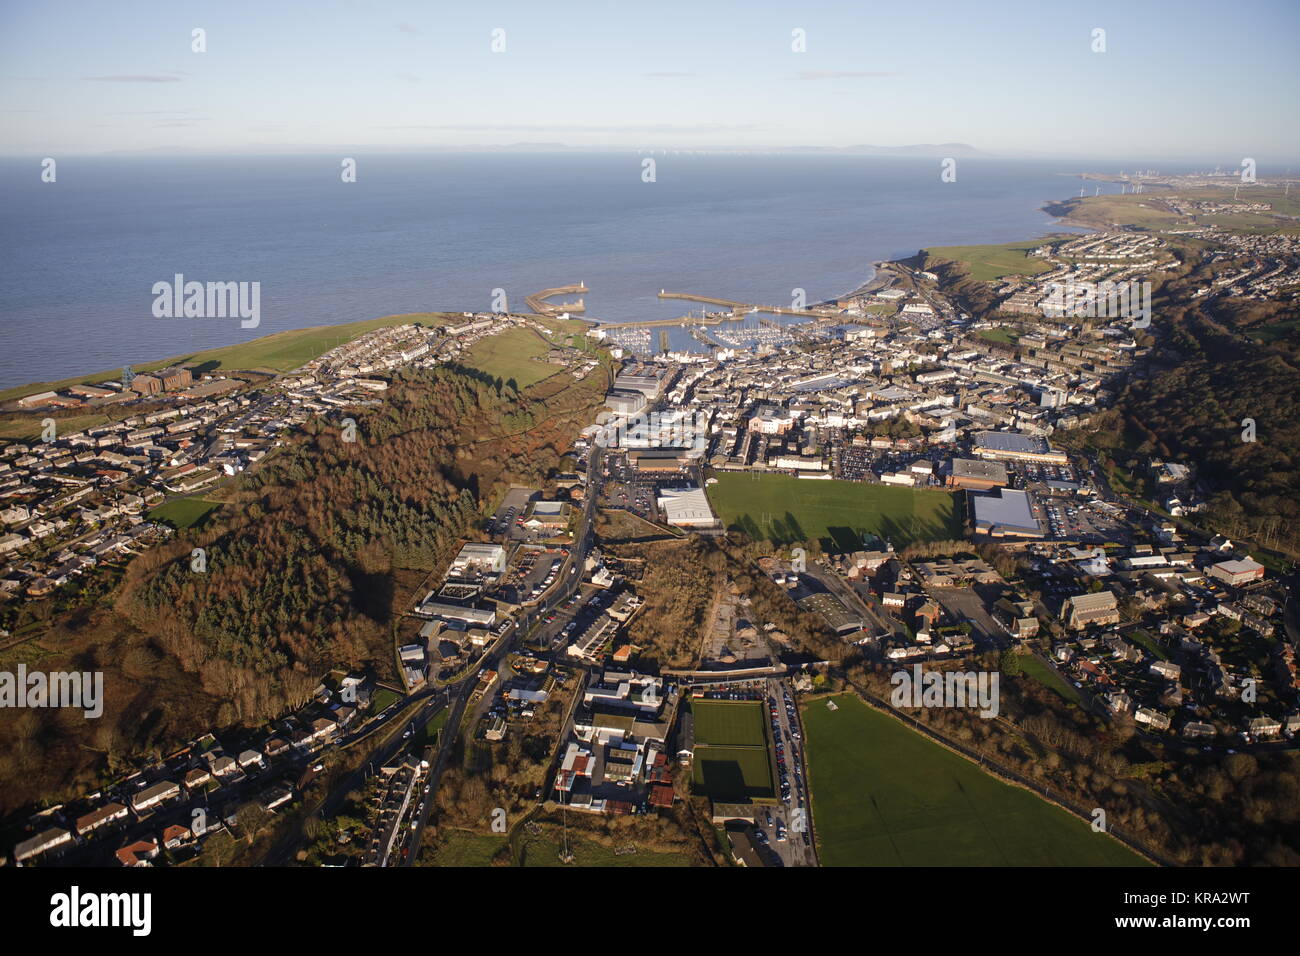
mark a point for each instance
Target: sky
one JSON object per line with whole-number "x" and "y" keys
{"x": 1176, "y": 80}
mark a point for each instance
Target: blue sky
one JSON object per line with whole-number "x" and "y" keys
{"x": 1188, "y": 80}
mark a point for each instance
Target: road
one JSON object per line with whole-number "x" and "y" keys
{"x": 881, "y": 624}
{"x": 281, "y": 853}
{"x": 460, "y": 692}
{"x": 794, "y": 815}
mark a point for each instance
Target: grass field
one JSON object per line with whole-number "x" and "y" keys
{"x": 1139, "y": 636}
{"x": 512, "y": 355}
{"x": 784, "y": 509}
{"x": 729, "y": 723}
{"x": 999, "y": 335}
{"x": 543, "y": 850}
{"x": 463, "y": 848}
{"x": 993, "y": 262}
{"x": 28, "y": 427}
{"x": 733, "y": 755}
{"x": 184, "y": 512}
{"x": 1049, "y": 678}
{"x": 882, "y": 795}
{"x": 280, "y": 352}
{"x": 428, "y": 734}
{"x": 1144, "y": 211}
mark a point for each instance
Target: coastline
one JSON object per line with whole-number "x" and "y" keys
{"x": 883, "y": 273}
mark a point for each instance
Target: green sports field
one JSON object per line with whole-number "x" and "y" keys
{"x": 729, "y": 723}
{"x": 883, "y": 795}
{"x": 784, "y": 509}
{"x": 733, "y": 754}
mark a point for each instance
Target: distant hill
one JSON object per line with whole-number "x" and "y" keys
{"x": 916, "y": 149}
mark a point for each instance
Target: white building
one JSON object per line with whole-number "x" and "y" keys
{"x": 686, "y": 508}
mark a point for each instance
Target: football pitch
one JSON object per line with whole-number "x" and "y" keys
{"x": 785, "y": 510}
{"x": 883, "y": 795}
{"x": 733, "y": 755}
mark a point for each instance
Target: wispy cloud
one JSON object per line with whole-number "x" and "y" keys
{"x": 667, "y": 74}
{"x": 409, "y": 78}
{"x": 405, "y": 27}
{"x": 841, "y": 74}
{"x": 136, "y": 78}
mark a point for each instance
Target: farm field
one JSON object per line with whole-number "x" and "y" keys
{"x": 784, "y": 509}
{"x": 882, "y": 795}
{"x": 733, "y": 755}
{"x": 512, "y": 355}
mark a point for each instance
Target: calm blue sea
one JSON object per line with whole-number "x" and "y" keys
{"x": 78, "y": 257}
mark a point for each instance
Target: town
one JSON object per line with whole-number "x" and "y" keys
{"x": 915, "y": 471}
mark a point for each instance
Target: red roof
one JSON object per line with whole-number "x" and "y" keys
{"x": 133, "y": 854}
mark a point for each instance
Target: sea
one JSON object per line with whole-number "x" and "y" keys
{"x": 79, "y": 256}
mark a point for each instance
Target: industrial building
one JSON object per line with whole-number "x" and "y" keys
{"x": 623, "y": 402}
{"x": 1008, "y": 513}
{"x": 1013, "y": 446}
{"x": 977, "y": 475}
{"x": 1239, "y": 572}
{"x": 661, "y": 459}
{"x": 686, "y": 508}
{"x": 468, "y": 616}
{"x": 476, "y": 558}
{"x": 547, "y": 516}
